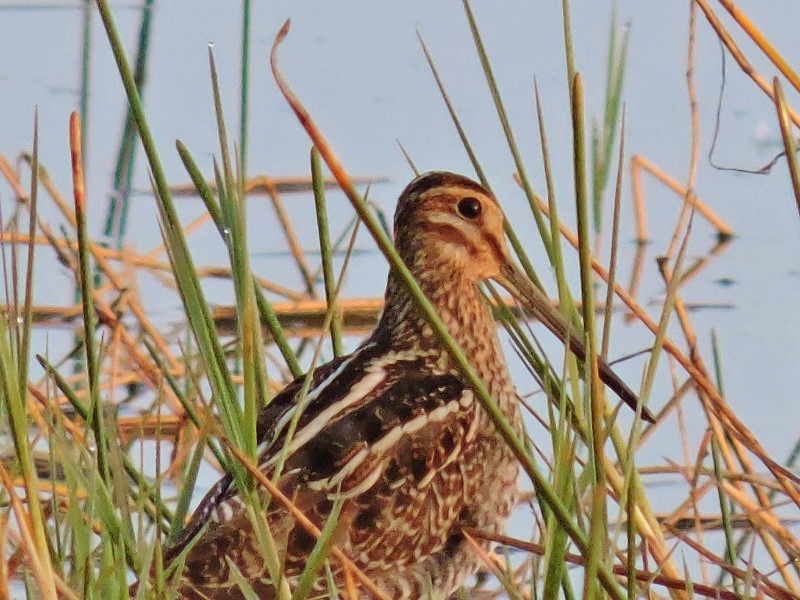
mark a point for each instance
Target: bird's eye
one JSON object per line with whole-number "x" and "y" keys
{"x": 470, "y": 208}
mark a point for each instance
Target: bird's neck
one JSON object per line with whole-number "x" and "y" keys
{"x": 462, "y": 308}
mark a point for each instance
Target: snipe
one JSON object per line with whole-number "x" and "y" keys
{"x": 393, "y": 428}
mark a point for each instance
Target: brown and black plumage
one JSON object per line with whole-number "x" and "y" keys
{"x": 393, "y": 429}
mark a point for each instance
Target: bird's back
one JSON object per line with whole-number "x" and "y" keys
{"x": 392, "y": 436}
{"x": 395, "y": 435}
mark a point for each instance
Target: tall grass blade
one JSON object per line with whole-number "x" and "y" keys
{"x": 596, "y": 410}
{"x": 787, "y": 134}
{"x": 508, "y": 131}
{"x": 267, "y": 314}
{"x": 14, "y": 343}
{"x": 116, "y": 225}
{"x": 144, "y": 486}
{"x": 319, "y": 554}
{"x": 604, "y": 135}
{"x": 244, "y": 88}
{"x": 96, "y": 420}
{"x": 197, "y": 310}
{"x": 85, "y": 78}
{"x": 234, "y": 213}
{"x": 25, "y": 320}
{"x": 389, "y": 251}
{"x": 326, "y": 253}
{"x": 512, "y": 236}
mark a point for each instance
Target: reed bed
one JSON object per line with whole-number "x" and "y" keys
{"x": 107, "y": 440}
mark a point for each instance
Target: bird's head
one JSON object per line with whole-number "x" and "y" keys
{"x": 451, "y": 222}
{"x": 449, "y": 227}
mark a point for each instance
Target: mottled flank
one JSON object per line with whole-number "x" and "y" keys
{"x": 393, "y": 429}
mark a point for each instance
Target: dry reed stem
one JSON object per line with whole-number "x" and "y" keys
{"x": 114, "y": 351}
{"x": 150, "y": 261}
{"x": 735, "y": 426}
{"x": 152, "y": 373}
{"x": 739, "y": 57}
{"x": 7, "y": 171}
{"x": 637, "y": 268}
{"x": 41, "y": 411}
{"x": 691, "y": 340}
{"x": 645, "y": 577}
{"x": 688, "y": 508}
{"x": 291, "y": 238}
{"x": 59, "y": 489}
{"x": 39, "y": 565}
{"x": 672, "y": 403}
{"x": 788, "y": 138}
{"x": 712, "y": 522}
{"x": 262, "y": 184}
{"x": 183, "y": 440}
{"x": 696, "y": 494}
{"x": 491, "y": 562}
{"x": 146, "y": 261}
{"x": 762, "y": 42}
{"x": 108, "y": 317}
{"x": 690, "y": 273}
{"x": 638, "y": 164}
{"x": 148, "y": 426}
{"x": 701, "y": 263}
{"x": 763, "y": 584}
{"x": 75, "y": 431}
{"x": 646, "y": 525}
{"x": 129, "y": 377}
{"x": 672, "y": 469}
{"x": 639, "y": 212}
{"x": 764, "y": 518}
{"x": 136, "y": 309}
{"x": 12, "y": 564}
{"x": 5, "y": 575}
{"x": 350, "y": 584}
{"x": 359, "y": 314}
{"x": 698, "y": 373}
{"x": 190, "y": 228}
{"x": 694, "y": 113}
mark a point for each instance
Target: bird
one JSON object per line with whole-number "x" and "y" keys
{"x": 393, "y": 434}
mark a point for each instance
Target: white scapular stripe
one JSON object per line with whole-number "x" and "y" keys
{"x": 387, "y": 441}
{"x": 362, "y": 487}
{"x": 312, "y": 394}
{"x": 351, "y": 466}
{"x": 363, "y": 387}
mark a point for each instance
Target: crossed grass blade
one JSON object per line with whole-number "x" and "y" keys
{"x": 387, "y": 248}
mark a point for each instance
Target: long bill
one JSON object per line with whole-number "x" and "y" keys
{"x": 537, "y": 303}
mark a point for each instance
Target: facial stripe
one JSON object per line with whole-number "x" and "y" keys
{"x": 454, "y": 236}
{"x": 496, "y": 247}
{"x": 447, "y": 225}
